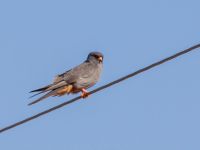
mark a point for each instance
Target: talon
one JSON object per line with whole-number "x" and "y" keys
{"x": 85, "y": 93}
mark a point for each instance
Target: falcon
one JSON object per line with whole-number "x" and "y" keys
{"x": 75, "y": 80}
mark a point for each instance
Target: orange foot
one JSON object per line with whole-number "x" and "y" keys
{"x": 85, "y": 93}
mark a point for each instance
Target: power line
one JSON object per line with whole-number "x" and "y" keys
{"x": 101, "y": 88}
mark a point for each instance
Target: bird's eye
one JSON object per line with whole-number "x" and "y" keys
{"x": 96, "y": 56}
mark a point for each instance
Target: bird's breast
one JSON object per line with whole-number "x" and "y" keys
{"x": 89, "y": 79}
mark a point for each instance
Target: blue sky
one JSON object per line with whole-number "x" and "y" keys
{"x": 157, "y": 110}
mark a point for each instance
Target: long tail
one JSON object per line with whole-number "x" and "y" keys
{"x": 41, "y": 89}
{"x": 52, "y": 90}
{"x": 51, "y": 93}
{"x": 36, "y": 94}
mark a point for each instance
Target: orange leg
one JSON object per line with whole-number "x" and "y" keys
{"x": 85, "y": 93}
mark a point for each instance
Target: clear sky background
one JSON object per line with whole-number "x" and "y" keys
{"x": 157, "y": 110}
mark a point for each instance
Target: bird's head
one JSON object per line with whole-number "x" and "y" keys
{"x": 95, "y": 57}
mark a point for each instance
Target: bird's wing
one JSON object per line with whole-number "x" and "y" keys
{"x": 81, "y": 71}
{"x": 60, "y": 77}
{"x": 57, "y": 82}
{"x": 61, "y": 80}
{"x": 69, "y": 77}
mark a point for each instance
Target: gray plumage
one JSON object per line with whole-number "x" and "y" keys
{"x": 81, "y": 77}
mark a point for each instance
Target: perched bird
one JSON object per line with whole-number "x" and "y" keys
{"x": 75, "y": 80}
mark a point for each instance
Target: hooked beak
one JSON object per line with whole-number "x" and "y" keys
{"x": 100, "y": 59}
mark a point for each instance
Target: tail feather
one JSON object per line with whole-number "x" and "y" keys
{"x": 53, "y": 89}
{"x": 51, "y": 93}
{"x": 37, "y": 94}
{"x": 41, "y": 89}
{"x": 56, "y": 86}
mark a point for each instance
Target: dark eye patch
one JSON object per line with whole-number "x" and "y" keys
{"x": 96, "y": 56}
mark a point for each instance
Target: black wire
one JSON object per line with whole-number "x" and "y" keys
{"x": 101, "y": 88}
